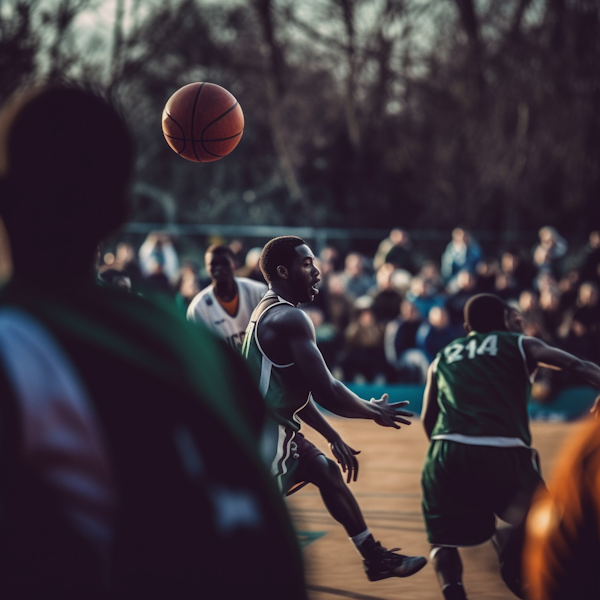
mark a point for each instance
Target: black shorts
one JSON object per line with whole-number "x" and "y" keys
{"x": 303, "y": 452}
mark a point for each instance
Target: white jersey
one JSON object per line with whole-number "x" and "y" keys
{"x": 205, "y": 308}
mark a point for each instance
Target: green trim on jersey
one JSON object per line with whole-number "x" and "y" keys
{"x": 483, "y": 386}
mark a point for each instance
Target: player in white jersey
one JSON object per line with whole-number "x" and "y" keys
{"x": 226, "y": 304}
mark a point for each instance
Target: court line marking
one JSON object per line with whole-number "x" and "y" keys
{"x": 342, "y": 593}
{"x": 371, "y": 494}
{"x": 308, "y": 537}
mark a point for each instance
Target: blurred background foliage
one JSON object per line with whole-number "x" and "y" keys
{"x": 359, "y": 113}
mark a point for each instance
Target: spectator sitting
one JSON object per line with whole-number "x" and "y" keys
{"x": 385, "y": 246}
{"x": 339, "y": 304}
{"x": 189, "y": 286}
{"x": 430, "y": 273}
{"x": 423, "y": 295}
{"x": 586, "y": 307}
{"x": 397, "y": 250}
{"x": 238, "y": 250}
{"x": 462, "y": 252}
{"x": 357, "y": 281}
{"x": 330, "y": 259}
{"x": 386, "y": 298}
{"x": 533, "y": 320}
{"x": 435, "y": 333}
{"x": 326, "y": 335}
{"x": 251, "y": 268}
{"x": 589, "y": 308}
{"x": 552, "y": 315}
{"x": 158, "y": 249}
{"x": 363, "y": 356}
{"x": 505, "y": 287}
{"x": 590, "y": 261}
{"x": 568, "y": 286}
{"x": 156, "y": 279}
{"x": 550, "y": 249}
{"x": 486, "y": 272}
{"x": 400, "y": 281}
{"x": 545, "y": 380}
{"x": 126, "y": 261}
{"x": 327, "y": 263}
{"x": 581, "y": 342}
{"x": 519, "y": 272}
{"x": 466, "y": 283}
{"x": 409, "y": 363}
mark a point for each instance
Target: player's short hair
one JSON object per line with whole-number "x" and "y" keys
{"x": 220, "y": 249}
{"x": 278, "y": 251}
{"x": 486, "y": 312}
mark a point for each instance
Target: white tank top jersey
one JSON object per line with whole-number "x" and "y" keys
{"x": 205, "y": 308}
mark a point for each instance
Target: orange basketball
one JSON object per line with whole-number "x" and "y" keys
{"x": 202, "y": 122}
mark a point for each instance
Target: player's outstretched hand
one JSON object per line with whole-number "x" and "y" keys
{"x": 346, "y": 456}
{"x": 390, "y": 414}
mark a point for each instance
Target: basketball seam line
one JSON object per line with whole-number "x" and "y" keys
{"x": 193, "y": 116}
{"x": 172, "y": 137}
{"x": 212, "y": 123}
{"x": 200, "y": 141}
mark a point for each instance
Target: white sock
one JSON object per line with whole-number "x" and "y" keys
{"x": 357, "y": 540}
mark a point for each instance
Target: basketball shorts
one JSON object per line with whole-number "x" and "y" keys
{"x": 305, "y": 452}
{"x": 287, "y": 453}
{"x": 466, "y": 487}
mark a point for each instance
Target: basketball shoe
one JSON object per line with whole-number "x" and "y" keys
{"x": 380, "y": 563}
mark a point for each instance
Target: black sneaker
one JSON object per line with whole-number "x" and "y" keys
{"x": 382, "y": 563}
{"x": 454, "y": 591}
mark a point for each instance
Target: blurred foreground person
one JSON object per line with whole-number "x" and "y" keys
{"x": 562, "y": 541}
{"x": 480, "y": 464}
{"x": 127, "y": 437}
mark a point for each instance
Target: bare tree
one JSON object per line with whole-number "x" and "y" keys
{"x": 275, "y": 84}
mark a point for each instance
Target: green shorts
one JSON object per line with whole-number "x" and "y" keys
{"x": 465, "y": 487}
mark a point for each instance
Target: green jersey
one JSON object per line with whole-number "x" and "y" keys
{"x": 483, "y": 388}
{"x": 142, "y": 471}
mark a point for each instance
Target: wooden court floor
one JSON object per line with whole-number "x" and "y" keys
{"x": 388, "y": 491}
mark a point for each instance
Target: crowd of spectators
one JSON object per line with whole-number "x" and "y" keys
{"x": 383, "y": 318}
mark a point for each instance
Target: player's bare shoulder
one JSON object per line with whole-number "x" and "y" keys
{"x": 282, "y": 327}
{"x": 285, "y": 319}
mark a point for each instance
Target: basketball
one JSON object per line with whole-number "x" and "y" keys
{"x": 202, "y": 122}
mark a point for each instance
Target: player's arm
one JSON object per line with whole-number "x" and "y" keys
{"x": 298, "y": 334}
{"x": 344, "y": 454}
{"x": 538, "y": 353}
{"x": 431, "y": 408}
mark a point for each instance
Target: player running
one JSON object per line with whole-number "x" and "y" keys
{"x": 282, "y": 353}
{"x": 480, "y": 464}
{"x": 226, "y": 304}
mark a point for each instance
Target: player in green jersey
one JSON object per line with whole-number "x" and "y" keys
{"x": 282, "y": 352}
{"x": 480, "y": 464}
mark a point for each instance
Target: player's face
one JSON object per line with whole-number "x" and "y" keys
{"x": 304, "y": 275}
{"x": 514, "y": 321}
{"x": 219, "y": 267}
